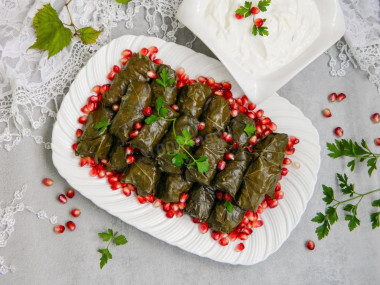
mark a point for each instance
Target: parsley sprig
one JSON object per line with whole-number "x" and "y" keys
{"x": 102, "y": 125}
{"x": 262, "y": 31}
{"x": 162, "y": 112}
{"x": 331, "y": 216}
{"x": 361, "y": 153}
{"x": 111, "y": 237}
{"x": 246, "y": 12}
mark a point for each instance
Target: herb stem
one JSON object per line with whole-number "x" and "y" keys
{"x": 361, "y": 196}
{"x": 71, "y": 19}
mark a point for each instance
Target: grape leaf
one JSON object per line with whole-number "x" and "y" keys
{"x": 123, "y": 1}
{"x": 52, "y": 35}
{"x": 88, "y": 35}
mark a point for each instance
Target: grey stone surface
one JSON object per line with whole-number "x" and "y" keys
{"x": 42, "y": 257}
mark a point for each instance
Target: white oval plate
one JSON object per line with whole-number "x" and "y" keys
{"x": 298, "y": 185}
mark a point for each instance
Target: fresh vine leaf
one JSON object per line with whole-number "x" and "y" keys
{"x": 319, "y": 218}
{"x": 151, "y": 119}
{"x": 249, "y": 130}
{"x": 228, "y": 205}
{"x": 353, "y": 223}
{"x": 52, "y": 35}
{"x": 323, "y": 230}
{"x": 123, "y": 1}
{"x": 120, "y": 240}
{"x": 179, "y": 159}
{"x": 329, "y": 194}
{"x": 263, "y": 4}
{"x": 332, "y": 215}
{"x": 376, "y": 203}
{"x": 202, "y": 164}
{"x": 263, "y": 31}
{"x": 88, "y": 35}
{"x": 375, "y": 219}
{"x": 102, "y": 125}
{"x": 245, "y": 10}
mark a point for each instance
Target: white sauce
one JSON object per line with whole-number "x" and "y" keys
{"x": 293, "y": 26}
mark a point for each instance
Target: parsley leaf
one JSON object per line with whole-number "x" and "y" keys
{"x": 52, "y": 35}
{"x": 165, "y": 80}
{"x": 263, "y": 4}
{"x": 249, "y": 130}
{"x": 179, "y": 158}
{"x": 88, "y": 35}
{"x": 254, "y": 30}
{"x": 329, "y": 194}
{"x": 263, "y": 31}
{"x": 228, "y": 205}
{"x": 151, "y": 119}
{"x": 375, "y": 219}
{"x": 245, "y": 10}
{"x": 353, "y": 223}
{"x": 120, "y": 240}
{"x": 202, "y": 164}
{"x": 376, "y": 203}
{"x": 102, "y": 125}
{"x": 111, "y": 237}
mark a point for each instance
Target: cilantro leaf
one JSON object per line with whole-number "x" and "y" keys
{"x": 202, "y": 164}
{"x": 180, "y": 140}
{"x": 165, "y": 80}
{"x": 348, "y": 189}
{"x": 163, "y": 112}
{"x": 109, "y": 236}
{"x": 186, "y": 135}
{"x": 52, "y": 35}
{"x": 375, "y": 219}
{"x": 105, "y": 236}
{"x": 329, "y": 194}
{"x": 245, "y": 10}
{"x": 353, "y": 222}
{"x": 249, "y": 130}
{"x": 103, "y": 260}
{"x": 228, "y": 205}
{"x": 88, "y": 35}
{"x": 178, "y": 159}
{"x": 120, "y": 240}
{"x": 102, "y": 125}
{"x": 190, "y": 142}
{"x": 151, "y": 119}
{"x": 263, "y": 4}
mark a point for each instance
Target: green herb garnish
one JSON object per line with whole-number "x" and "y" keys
{"x": 245, "y": 10}
{"x": 102, "y": 125}
{"x": 165, "y": 80}
{"x": 249, "y": 130}
{"x": 262, "y": 31}
{"x": 263, "y": 4}
{"x": 161, "y": 111}
{"x": 110, "y": 237}
{"x": 228, "y": 205}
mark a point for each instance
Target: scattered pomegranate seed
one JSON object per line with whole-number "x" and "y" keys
{"x": 150, "y": 198}
{"x": 181, "y": 205}
{"x": 144, "y": 51}
{"x": 227, "y": 197}
{"x": 296, "y": 165}
{"x": 153, "y": 49}
{"x": 59, "y": 229}
{"x": 134, "y": 134}
{"x": 203, "y": 227}
{"x": 332, "y": 97}
{"x": 377, "y": 141}
{"x": 233, "y": 236}
{"x": 127, "y": 191}
{"x": 70, "y": 225}
{"x": 197, "y": 141}
{"x": 286, "y": 161}
{"x": 228, "y": 138}
{"x": 170, "y": 214}
{"x": 131, "y": 159}
{"x": 128, "y": 150}
{"x": 240, "y": 247}
{"x": 82, "y": 120}
{"x": 74, "y": 146}
{"x": 273, "y": 203}
{"x": 151, "y": 74}
{"x": 93, "y": 172}
{"x": 116, "y": 185}
{"x": 93, "y": 99}
{"x": 141, "y": 199}
{"x": 219, "y": 195}
{"x": 234, "y": 105}
{"x": 251, "y": 106}
{"x": 284, "y": 171}
{"x": 127, "y": 53}
{"x": 201, "y": 126}
{"x": 75, "y": 213}
{"x": 179, "y": 214}
{"x": 195, "y": 221}
{"x": 310, "y": 245}
{"x": 111, "y": 75}
{"x": 184, "y": 197}
{"x": 210, "y": 82}
{"x": 251, "y": 115}
{"x": 229, "y": 156}
{"x": 272, "y": 126}
{"x": 62, "y": 198}
{"x": 174, "y": 207}
{"x": 79, "y": 133}
{"x": 279, "y": 195}
{"x": 223, "y": 241}
{"x": 147, "y": 111}
{"x": 116, "y": 69}
{"x": 326, "y": 112}
{"x": 255, "y": 10}
{"x": 70, "y": 193}
{"x": 259, "y": 113}
{"x": 175, "y": 107}
{"x": 238, "y": 16}
{"x": 259, "y": 22}
{"x": 338, "y": 132}
{"x": 180, "y": 71}
{"x": 341, "y": 97}
{"x": 96, "y": 89}
{"x": 215, "y": 235}
{"x": 104, "y": 88}
{"x": 234, "y": 113}
{"x": 253, "y": 140}
{"x": 48, "y": 182}
{"x": 375, "y": 118}
{"x": 166, "y": 207}
{"x": 221, "y": 165}
{"x": 157, "y": 203}
{"x": 137, "y": 126}
{"x": 290, "y": 151}
{"x": 83, "y": 161}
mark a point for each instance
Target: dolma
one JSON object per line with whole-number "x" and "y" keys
{"x": 150, "y": 135}
{"x": 200, "y": 202}
{"x": 96, "y": 143}
{"x": 273, "y": 147}
{"x": 170, "y": 93}
{"x": 221, "y": 220}
{"x": 171, "y": 187}
{"x": 138, "y": 97}
{"x": 117, "y": 160}
{"x": 214, "y": 149}
{"x": 217, "y": 116}
{"x": 192, "y": 98}
{"x": 144, "y": 175}
{"x": 236, "y": 128}
{"x": 135, "y": 69}
{"x": 170, "y": 145}
{"x": 230, "y": 179}
{"x": 260, "y": 179}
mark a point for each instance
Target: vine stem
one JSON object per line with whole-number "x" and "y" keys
{"x": 361, "y": 196}
{"x": 71, "y": 19}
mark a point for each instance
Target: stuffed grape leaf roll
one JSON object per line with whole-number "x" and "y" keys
{"x": 214, "y": 149}
{"x": 217, "y": 116}
{"x": 151, "y": 134}
{"x": 170, "y": 145}
{"x": 95, "y": 141}
{"x": 237, "y": 126}
{"x": 144, "y": 175}
{"x": 117, "y": 160}
{"x": 135, "y": 69}
{"x": 229, "y": 180}
{"x": 260, "y": 179}
{"x": 170, "y": 93}
{"x": 192, "y": 98}
{"x": 200, "y": 202}
{"x": 222, "y": 220}
{"x": 138, "y": 97}
{"x": 273, "y": 147}
{"x": 171, "y": 187}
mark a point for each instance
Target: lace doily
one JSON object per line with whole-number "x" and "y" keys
{"x": 31, "y": 86}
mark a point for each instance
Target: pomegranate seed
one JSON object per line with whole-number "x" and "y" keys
{"x": 141, "y": 199}
{"x": 251, "y": 106}
{"x": 150, "y": 198}
{"x": 223, "y": 241}
{"x": 153, "y": 49}
{"x": 184, "y": 197}
{"x": 93, "y": 172}
{"x": 286, "y": 161}
{"x": 233, "y": 236}
{"x": 201, "y": 126}
{"x": 203, "y": 228}
{"x": 375, "y": 118}
{"x": 157, "y": 203}
{"x": 184, "y": 78}
{"x": 229, "y": 156}
{"x": 332, "y": 97}
{"x": 258, "y": 224}
{"x": 82, "y": 120}
{"x": 290, "y": 151}
{"x": 259, "y": 113}
{"x": 128, "y": 150}
{"x": 75, "y": 146}
{"x": 243, "y": 236}
{"x": 62, "y": 198}
{"x": 284, "y": 171}
{"x": 226, "y": 85}
{"x": 377, "y": 141}
{"x": 219, "y": 195}
{"x": 326, "y": 112}
{"x": 221, "y": 165}
{"x": 111, "y": 75}
{"x": 48, "y": 182}
{"x": 131, "y": 159}
{"x": 310, "y": 245}
{"x": 259, "y": 22}
{"x": 75, "y": 213}
{"x": 243, "y": 109}
{"x": 115, "y": 107}
{"x": 247, "y": 231}
{"x": 234, "y": 105}
{"x": 112, "y": 179}
{"x": 265, "y": 121}
{"x": 253, "y": 140}
{"x": 127, "y": 53}
{"x": 166, "y": 207}
{"x": 144, "y": 51}
{"x": 210, "y": 82}
{"x": 227, "y": 197}
{"x": 341, "y": 97}
{"x": 116, "y": 185}
{"x": 116, "y": 69}
{"x": 93, "y": 99}
{"x": 272, "y": 126}
{"x": 170, "y": 214}
{"x": 240, "y": 247}
{"x": 179, "y": 214}
{"x": 273, "y": 203}
{"x": 239, "y": 101}
{"x": 175, "y": 107}
{"x": 70, "y": 193}
{"x": 59, "y": 229}
{"x": 83, "y": 161}
{"x": 123, "y": 61}
{"x": 137, "y": 126}
{"x": 181, "y": 205}
{"x": 134, "y": 134}
{"x": 174, "y": 207}
{"x": 70, "y": 225}
{"x": 79, "y": 133}
{"x": 279, "y": 195}
{"x": 228, "y": 95}
{"x": 296, "y": 165}
{"x": 235, "y": 145}
{"x": 147, "y": 111}
{"x": 215, "y": 235}
{"x": 180, "y": 71}
{"x": 238, "y": 16}
{"x": 151, "y": 74}
{"x": 127, "y": 191}
{"x": 294, "y": 140}
{"x": 85, "y": 110}
{"x": 104, "y": 88}
{"x": 96, "y": 89}
{"x": 228, "y": 138}
{"x": 197, "y": 141}
{"x": 195, "y": 221}
{"x": 338, "y": 132}
{"x": 264, "y": 204}
{"x": 255, "y": 10}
